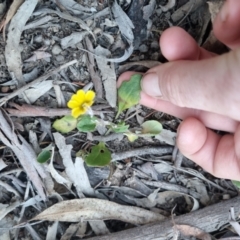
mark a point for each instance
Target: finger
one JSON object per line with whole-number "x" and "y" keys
{"x": 177, "y": 44}
{"x": 226, "y": 26}
{"x": 218, "y": 155}
{"x": 210, "y": 84}
{"x": 210, "y": 120}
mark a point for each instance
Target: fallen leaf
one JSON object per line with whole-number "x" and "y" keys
{"x": 73, "y": 39}
{"x": 99, "y": 156}
{"x": 11, "y": 11}
{"x": 86, "y": 123}
{"x": 24, "y": 153}
{"x": 151, "y": 127}
{"x": 88, "y": 209}
{"x": 44, "y": 156}
{"x": 123, "y": 21}
{"x": 73, "y": 169}
{"x": 13, "y": 58}
{"x": 52, "y": 231}
{"x": 129, "y": 93}
{"x": 193, "y": 231}
{"x": 37, "y": 55}
{"x": 2, "y": 164}
{"x": 65, "y": 124}
{"x": 37, "y": 90}
{"x": 108, "y": 75}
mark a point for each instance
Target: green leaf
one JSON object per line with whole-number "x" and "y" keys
{"x": 129, "y": 93}
{"x": 86, "y": 123}
{"x": 236, "y": 183}
{"x": 99, "y": 156}
{"x": 131, "y": 136}
{"x": 151, "y": 127}
{"x": 44, "y": 156}
{"x": 121, "y": 127}
{"x": 65, "y": 124}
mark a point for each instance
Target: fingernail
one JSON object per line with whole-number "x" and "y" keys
{"x": 150, "y": 84}
{"x": 224, "y": 11}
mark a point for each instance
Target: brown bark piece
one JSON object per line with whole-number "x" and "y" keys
{"x": 208, "y": 219}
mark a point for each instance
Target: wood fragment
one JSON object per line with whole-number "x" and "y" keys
{"x": 40, "y": 79}
{"x": 218, "y": 213}
{"x": 97, "y": 82}
{"x": 161, "y": 150}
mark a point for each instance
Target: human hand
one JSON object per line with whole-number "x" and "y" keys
{"x": 202, "y": 89}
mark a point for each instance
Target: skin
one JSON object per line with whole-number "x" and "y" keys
{"x": 202, "y": 89}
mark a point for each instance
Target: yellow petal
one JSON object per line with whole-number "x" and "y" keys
{"x": 73, "y": 104}
{"x": 81, "y": 94}
{"x": 77, "y": 99}
{"x": 89, "y": 104}
{"x": 90, "y": 95}
{"x": 76, "y": 112}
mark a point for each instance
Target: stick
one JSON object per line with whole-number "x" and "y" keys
{"x": 160, "y": 150}
{"x": 208, "y": 219}
{"x": 38, "y": 80}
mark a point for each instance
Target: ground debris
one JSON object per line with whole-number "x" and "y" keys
{"x": 56, "y": 48}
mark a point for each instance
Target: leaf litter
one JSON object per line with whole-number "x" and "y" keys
{"x": 54, "y": 48}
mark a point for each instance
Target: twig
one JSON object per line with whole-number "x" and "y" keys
{"x": 97, "y": 81}
{"x": 171, "y": 187}
{"x": 38, "y": 80}
{"x": 208, "y": 219}
{"x": 107, "y": 138}
{"x": 160, "y": 150}
{"x": 26, "y": 110}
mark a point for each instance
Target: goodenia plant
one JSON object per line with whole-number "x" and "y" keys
{"x": 82, "y": 117}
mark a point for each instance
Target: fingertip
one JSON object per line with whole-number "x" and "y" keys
{"x": 176, "y": 44}
{"x": 226, "y": 24}
{"x": 191, "y": 136}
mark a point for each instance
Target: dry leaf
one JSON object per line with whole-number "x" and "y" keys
{"x": 2, "y": 164}
{"x": 167, "y": 136}
{"x": 193, "y": 231}
{"x": 148, "y": 10}
{"x": 58, "y": 178}
{"x": 74, "y": 7}
{"x": 124, "y": 22}
{"x": 75, "y": 172}
{"x": 37, "y": 55}
{"x": 25, "y": 154}
{"x": 108, "y": 76}
{"x": 73, "y": 39}
{"x": 88, "y": 209}
{"x": 7, "y": 208}
{"x": 52, "y": 231}
{"x": 38, "y": 90}
{"x": 13, "y": 57}
{"x": 168, "y": 6}
{"x": 12, "y": 10}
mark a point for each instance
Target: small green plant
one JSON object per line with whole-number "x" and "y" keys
{"x": 83, "y": 119}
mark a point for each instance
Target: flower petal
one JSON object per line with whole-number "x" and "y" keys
{"x": 89, "y": 104}
{"x": 76, "y": 112}
{"x": 72, "y": 104}
{"x": 81, "y": 95}
{"x": 90, "y": 95}
{"x": 77, "y": 99}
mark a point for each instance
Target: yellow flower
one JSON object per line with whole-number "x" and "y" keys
{"x": 81, "y": 102}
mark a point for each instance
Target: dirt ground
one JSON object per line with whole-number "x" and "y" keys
{"x": 48, "y": 51}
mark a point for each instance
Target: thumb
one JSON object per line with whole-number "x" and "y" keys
{"x": 210, "y": 85}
